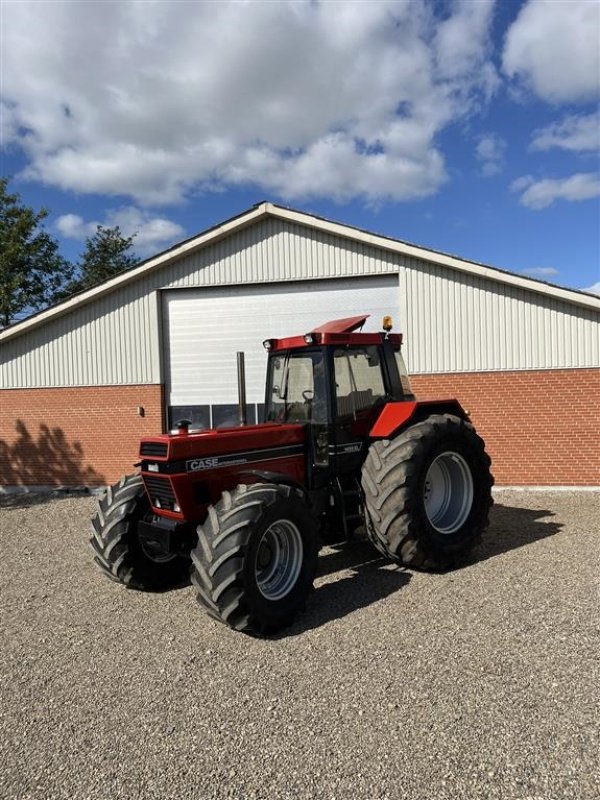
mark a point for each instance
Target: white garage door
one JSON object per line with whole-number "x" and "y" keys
{"x": 205, "y": 328}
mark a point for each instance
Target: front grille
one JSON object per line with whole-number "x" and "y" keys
{"x": 157, "y": 449}
{"x": 160, "y": 492}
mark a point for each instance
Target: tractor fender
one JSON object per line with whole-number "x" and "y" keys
{"x": 264, "y": 476}
{"x": 395, "y": 416}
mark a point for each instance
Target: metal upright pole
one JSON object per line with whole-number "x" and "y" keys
{"x": 241, "y": 388}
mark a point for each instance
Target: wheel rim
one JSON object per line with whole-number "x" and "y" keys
{"x": 278, "y": 559}
{"x": 448, "y": 492}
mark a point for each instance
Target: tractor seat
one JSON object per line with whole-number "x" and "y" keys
{"x": 347, "y": 404}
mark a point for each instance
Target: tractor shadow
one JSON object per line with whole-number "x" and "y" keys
{"x": 372, "y": 579}
{"x": 512, "y": 527}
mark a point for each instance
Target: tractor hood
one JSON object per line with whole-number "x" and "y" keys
{"x": 185, "y": 472}
{"x": 223, "y": 441}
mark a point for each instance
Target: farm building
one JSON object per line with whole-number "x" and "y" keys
{"x": 84, "y": 380}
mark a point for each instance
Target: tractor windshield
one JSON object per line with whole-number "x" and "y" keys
{"x": 296, "y": 388}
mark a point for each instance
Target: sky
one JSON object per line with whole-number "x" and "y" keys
{"x": 469, "y": 126}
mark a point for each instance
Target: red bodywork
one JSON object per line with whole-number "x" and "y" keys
{"x": 195, "y": 458}
{"x": 395, "y": 415}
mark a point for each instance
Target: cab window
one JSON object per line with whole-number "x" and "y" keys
{"x": 358, "y": 379}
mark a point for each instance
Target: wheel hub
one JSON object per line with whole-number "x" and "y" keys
{"x": 265, "y": 554}
{"x": 448, "y": 492}
{"x": 279, "y": 560}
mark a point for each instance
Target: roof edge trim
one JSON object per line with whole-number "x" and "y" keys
{"x": 220, "y": 231}
{"x": 305, "y": 219}
{"x": 422, "y": 253}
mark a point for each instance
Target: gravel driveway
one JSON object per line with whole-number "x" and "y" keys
{"x": 482, "y": 683}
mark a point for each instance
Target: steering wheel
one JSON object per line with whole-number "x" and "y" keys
{"x": 308, "y": 395}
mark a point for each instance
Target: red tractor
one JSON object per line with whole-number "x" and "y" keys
{"x": 344, "y": 444}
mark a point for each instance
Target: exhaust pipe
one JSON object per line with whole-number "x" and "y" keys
{"x": 241, "y": 369}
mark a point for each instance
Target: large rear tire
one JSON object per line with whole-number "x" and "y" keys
{"x": 256, "y": 558}
{"x": 428, "y": 493}
{"x": 119, "y": 551}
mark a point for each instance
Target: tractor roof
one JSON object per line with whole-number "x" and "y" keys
{"x": 334, "y": 332}
{"x": 346, "y": 325}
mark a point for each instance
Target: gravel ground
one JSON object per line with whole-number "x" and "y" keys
{"x": 482, "y": 683}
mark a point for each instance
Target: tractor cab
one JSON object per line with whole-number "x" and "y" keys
{"x": 336, "y": 381}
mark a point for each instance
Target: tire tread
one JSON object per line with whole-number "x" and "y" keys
{"x": 390, "y": 477}
{"x": 219, "y": 559}
{"x": 114, "y": 531}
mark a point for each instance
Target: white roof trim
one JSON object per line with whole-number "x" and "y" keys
{"x": 307, "y": 220}
{"x": 184, "y": 249}
{"x": 472, "y": 267}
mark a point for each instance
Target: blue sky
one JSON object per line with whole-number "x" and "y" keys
{"x": 468, "y": 127}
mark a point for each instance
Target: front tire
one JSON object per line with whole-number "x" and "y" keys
{"x": 256, "y": 558}
{"x": 428, "y": 493}
{"x": 117, "y": 548}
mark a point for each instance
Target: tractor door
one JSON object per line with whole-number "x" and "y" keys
{"x": 359, "y": 383}
{"x": 297, "y": 391}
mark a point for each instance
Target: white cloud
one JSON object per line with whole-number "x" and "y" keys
{"x": 155, "y": 100}
{"x": 541, "y": 194}
{"x": 578, "y": 133}
{"x": 456, "y": 55}
{"x": 490, "y": 153}
{"x": 151, "y": 233}
{"x": 594, "y": 289}
{"x": 553, "y": 48}
{"x": 522, "y": 183}
{"x": 542, "y": 272}
{"x": 72, "y": 226}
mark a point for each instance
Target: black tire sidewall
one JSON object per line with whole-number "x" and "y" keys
{"x": 274, "y": 613}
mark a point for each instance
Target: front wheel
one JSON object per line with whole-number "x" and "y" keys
{"x": 118, "y": 549}
{"x": 256, "y": 557}
{"x": 428, "y": 492}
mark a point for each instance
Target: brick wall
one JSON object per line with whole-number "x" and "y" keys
{"x": 540, "y": 427}
{"x": 74, "y": 436}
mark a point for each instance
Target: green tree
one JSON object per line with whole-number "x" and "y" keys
{"x": 106, "y": 254}
{"x": 32, "y": 271}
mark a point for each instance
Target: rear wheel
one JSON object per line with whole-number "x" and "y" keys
{"x": 256, "y": 557}
{"x": 428, "y": 492}
{"x": 120, "y": 552}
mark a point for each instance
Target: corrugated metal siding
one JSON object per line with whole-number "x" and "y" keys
{"x": 461, "y": 323}
{"x": 452, "y": 321}
{"x": 274, "y": 250}
{"x": 114, "y": 340}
